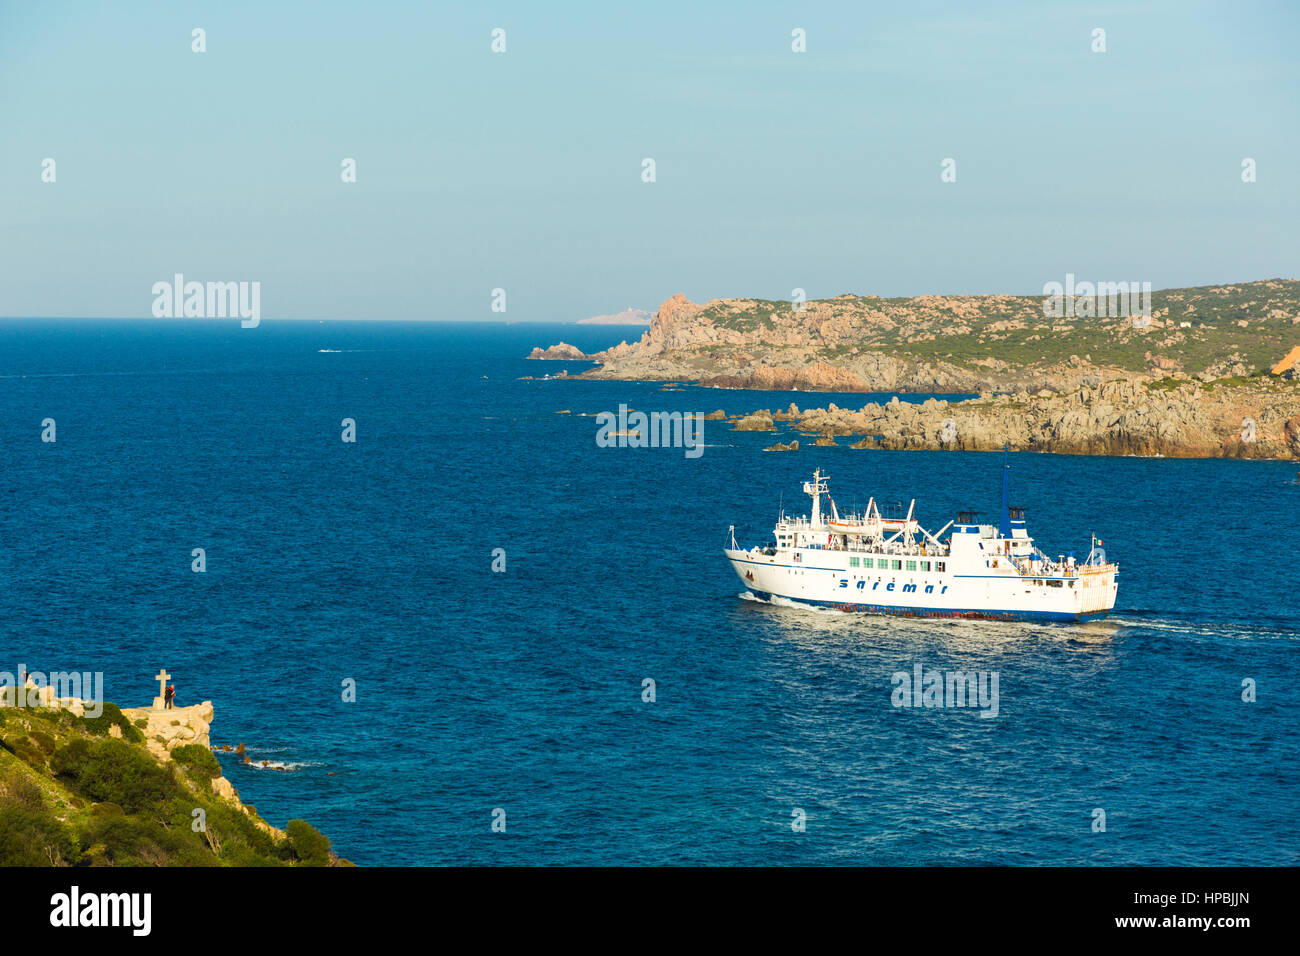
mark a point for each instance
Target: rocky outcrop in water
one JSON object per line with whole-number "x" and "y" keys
{"x": 561, "y": 351}
{"x": 1260, "y": 420}
{"x": 759, "y": 421}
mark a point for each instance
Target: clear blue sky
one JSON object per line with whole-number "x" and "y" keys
{"x": 775, "y": 170}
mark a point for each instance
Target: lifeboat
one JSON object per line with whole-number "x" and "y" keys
{"x": 848, "y": 526}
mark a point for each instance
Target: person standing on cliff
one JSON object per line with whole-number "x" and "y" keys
{"x": 170, "y": 699}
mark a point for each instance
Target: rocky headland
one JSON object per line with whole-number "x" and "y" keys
{"x": 101, "y": 785}
{"x": 1197, "y": 376}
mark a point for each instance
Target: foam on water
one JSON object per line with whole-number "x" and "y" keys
{"x": 775, "y": 600}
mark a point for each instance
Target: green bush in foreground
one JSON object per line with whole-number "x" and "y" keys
{"x": 134, "y": 841}
{"x": 309, "y": 844}
{"x": 112, "y": 716}
{"x": 24, "y": 748}
{"x": 198, "y": 759}
{"x": 34, "y": 838}
{"x": 113, "y": 771}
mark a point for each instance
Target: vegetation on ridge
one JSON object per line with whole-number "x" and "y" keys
{"x": 73, "y": 793}
{"x": 965, "y": 343}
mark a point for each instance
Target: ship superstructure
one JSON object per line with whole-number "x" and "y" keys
{"x": 867, "y": 562}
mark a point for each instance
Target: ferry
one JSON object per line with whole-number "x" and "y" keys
{"x": 891, "y": 565}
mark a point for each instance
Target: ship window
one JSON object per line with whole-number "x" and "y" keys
{"x": 898, "y": 565}
{"x": 853, "y": 562}
{"x": 925, "y": 565}
{"x": 911, "y": 565}
{"x": 939, "y": 565}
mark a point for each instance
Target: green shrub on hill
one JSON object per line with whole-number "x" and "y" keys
{"x": 309, "y": 844}
{"x": 137, "y": 841}
{"x": 73, "y": 795}
{"x": 34, "y": 838}
{"x": 112, "y": 716}
{"x": 24, "y": 748}
{"x": 113, "y": 771}
{"x": 198, "y": 760}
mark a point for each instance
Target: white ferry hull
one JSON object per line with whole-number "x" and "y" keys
{"x": 823, "y": 578}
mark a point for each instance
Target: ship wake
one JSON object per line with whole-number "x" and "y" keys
{"x": 776, "y": 600}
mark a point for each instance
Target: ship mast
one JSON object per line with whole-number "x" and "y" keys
{"x": 1004, "y": 524}
{"x": 815, "y": 488}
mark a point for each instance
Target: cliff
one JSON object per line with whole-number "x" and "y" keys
{"x": 128, "y": 787}
{"x": 1235, "y": 419}
{"x": 963, "y": 343}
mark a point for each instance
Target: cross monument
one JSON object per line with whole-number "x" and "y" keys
{"x": 161, "y": 677}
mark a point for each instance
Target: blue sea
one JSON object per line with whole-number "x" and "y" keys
{"x": 521, "y": 691}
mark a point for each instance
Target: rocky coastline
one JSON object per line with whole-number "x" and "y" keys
{"x": 87, "y": 783}
{"x": 1210, "y": 372}
{"x": 1118, "y": 418}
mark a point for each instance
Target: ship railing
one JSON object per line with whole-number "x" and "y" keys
{"x": 1045, "y": 569}
{"x": 898, "y": 550}
{"x": 1028, "y": 569}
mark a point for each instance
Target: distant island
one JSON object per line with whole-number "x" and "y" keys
{"x": 626, "y": 317}
{"x": 103, "y": 786}
{"x": 1203, "y": 371}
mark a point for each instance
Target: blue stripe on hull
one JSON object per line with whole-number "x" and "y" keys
{"x": 969, "y": 613}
